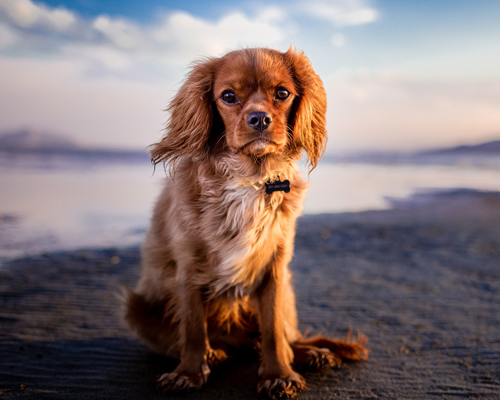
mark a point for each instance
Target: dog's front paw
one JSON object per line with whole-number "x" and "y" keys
{"x": 215, "y": 357}
{"x": 184, "y": 381}
{"x": 281, "y": 388}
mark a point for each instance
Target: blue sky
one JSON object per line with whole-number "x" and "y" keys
{"x": 398, "y": 74}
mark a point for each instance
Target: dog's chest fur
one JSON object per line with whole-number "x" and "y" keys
{"x": 242, "y": 229}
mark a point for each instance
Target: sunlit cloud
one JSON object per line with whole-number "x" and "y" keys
{"x": 26, "y": 14}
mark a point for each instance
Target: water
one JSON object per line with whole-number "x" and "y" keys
{"x": 67, "y": 202}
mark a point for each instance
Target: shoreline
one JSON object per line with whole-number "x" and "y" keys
{"x": 420, "y": 280}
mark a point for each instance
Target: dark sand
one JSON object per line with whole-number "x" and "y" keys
{"x": 422, "y": 281}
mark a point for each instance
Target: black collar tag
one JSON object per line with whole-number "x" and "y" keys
{"x": 278, "y": 186}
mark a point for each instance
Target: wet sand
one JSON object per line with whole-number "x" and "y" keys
{"x": 421, "y": 281}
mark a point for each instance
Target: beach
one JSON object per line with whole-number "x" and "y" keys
{"x": 421, "y": 280}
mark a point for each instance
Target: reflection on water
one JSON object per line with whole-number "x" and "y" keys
{"x": 364, "y": 186}
{"x": 66, "y": 203}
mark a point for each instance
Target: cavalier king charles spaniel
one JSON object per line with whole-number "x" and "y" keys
{"x": 215, "y": 272}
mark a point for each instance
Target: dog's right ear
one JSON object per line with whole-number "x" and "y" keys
{"x": 190, "y": 122}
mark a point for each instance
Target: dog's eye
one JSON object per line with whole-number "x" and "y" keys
{"x": 229, "y": 97}
{"x": 282, "y": 94}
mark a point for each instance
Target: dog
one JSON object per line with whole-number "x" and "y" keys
{"x": 215, "y": 273}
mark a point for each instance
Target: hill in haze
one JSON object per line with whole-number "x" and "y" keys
{"x": 487, "y": 148}
{"x": 28, "y": 140}
{"x": 487, "y": 152}
{"x": 41, "y": 144}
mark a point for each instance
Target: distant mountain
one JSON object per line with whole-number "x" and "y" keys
{"x": 488, "y": 148}
{"x": 484, "y": 154}
{"x": 34, "y": 140}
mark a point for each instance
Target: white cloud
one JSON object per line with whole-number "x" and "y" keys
{"x": 342, "y": 12}
{"x": 215, "y": 38}
{"x": 182, "y": 36}
{"x": 119, "y": 32}
{"x": 26, "y": 14}
{"x": 175, "y": 38}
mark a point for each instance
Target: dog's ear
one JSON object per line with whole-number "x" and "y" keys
{"x": 190, "y": 121}
{"x": 308, "y": 118}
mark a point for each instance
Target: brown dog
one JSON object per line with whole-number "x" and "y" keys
{"x": 215, "y": 260}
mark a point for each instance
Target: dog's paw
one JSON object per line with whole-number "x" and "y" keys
{"x": 316, "y": 359}
{"x": 184, "y": 381}
{"x": 215, "y": 357}
{"x": 281, "y": 388}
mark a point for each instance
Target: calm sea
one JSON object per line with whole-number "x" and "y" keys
{"x": 67, "y": 202}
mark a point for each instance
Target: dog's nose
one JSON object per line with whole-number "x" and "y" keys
{"x": 259, "y": 120}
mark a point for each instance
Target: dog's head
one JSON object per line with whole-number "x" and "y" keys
{"x": 253, "y": 102}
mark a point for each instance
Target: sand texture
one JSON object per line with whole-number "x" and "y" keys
{"x": 421, "y": 281}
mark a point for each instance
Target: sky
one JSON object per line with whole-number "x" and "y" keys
{"x": 399, "y": 75}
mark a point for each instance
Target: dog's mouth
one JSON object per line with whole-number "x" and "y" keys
{"x": 260, "y": 147}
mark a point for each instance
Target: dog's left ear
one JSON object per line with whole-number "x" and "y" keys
{"x": 190, "y": 124}
{"x": 309, "y": 115}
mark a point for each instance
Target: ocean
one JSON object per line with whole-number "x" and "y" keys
{"x": 67, "y": 202}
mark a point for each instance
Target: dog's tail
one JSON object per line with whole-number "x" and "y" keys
{"x": 349, "y": 349}
{"x": 153, "y": 322}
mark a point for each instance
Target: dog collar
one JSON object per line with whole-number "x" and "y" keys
{"x": 278, "y": 186}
